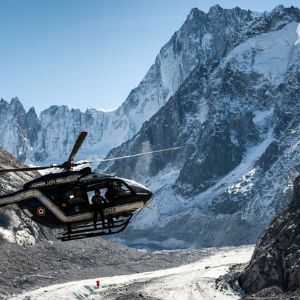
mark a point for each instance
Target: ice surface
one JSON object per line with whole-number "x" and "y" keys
{"x": 266, "y": 54}
{"x": 261, "y": 116}
{"x": 207, "y": 41}
{"x": 193, "y": 281}
{"x": 298, "y": 32}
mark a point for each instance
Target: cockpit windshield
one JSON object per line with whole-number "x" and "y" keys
{"x": 137, "y": 187}
{"x": 120, "y": 188}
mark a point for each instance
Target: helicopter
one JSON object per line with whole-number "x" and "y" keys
{"x": 65, "y": 199}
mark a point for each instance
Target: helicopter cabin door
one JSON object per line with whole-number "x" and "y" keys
{"x": 74, "y": 201}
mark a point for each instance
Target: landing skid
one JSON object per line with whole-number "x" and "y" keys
{"x": 88, "y": 230}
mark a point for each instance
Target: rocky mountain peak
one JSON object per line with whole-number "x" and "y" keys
{"x": 215, "y": 9}
{"x": 54, "y": 109}
{"x": 231, "y": 113}
{"x": 15, "y": 101}
{"x": 200, "y": 39}
{"x": 281, "y": 10}
{"x": 32, "y": 112}
{"x": 33, "y": 125}
{"x": 195, "y": 13}
{"x": 2, "y": 101}
{"x": 280, "y": 16}
{"x": 4, "y": 104}
{"x": 16, "y": 105}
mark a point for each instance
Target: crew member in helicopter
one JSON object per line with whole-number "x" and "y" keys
{"x": 110, "y": 197}
{"x": 115, "y": 190}
{"x": 110, "y": 194}
{"x": 99, "y": 203}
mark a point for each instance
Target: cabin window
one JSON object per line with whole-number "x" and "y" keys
{"x": 91, "y": 194}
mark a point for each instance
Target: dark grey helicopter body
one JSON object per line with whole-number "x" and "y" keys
{"x": 65, "y": 199}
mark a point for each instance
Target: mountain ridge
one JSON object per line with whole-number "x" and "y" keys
{"x": 39, "y": 138}
{"x": 232, "y": 119}
{"x": 224, "y": 86}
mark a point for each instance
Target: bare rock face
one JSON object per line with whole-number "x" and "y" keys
{"x": 226, "y": 88}
{"x": 276, "y": 260}
{"x": 49, "y": 136}
{"x": 15, "y": 227}
{"x": 237, "y": 118}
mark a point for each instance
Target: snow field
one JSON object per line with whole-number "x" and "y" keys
{"x": 192, "y": 281}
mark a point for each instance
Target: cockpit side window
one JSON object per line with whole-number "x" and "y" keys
{"x": 120, "y": 188}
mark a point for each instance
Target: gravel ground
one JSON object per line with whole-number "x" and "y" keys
{"x": 27, "y": 267}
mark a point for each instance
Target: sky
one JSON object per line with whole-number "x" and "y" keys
{"x": 88, "y": 54}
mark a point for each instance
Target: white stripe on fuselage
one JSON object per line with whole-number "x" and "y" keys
{"x": 129, "y": 207}
{"x": 54, "y": 181}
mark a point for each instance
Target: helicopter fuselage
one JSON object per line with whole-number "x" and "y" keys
{"x": 65, "y": 198}
{"x": 77, "y": 200}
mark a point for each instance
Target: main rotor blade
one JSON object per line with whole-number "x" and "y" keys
{"x": 41, "y": 168}
{"x": 76, "y": 147}
{"x": 77, "y": 164}
{"x": 140, "y": 154}
{"x": 30, "y": 169}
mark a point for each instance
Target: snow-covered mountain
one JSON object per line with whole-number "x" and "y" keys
{"x": 50, "y": 136}
{"x": 225, "y": 87}
{"x": 237, "y": 116}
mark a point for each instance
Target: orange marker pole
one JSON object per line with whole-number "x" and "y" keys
{"x": 98, "y": 283}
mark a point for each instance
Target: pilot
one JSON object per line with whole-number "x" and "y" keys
{"x": 111, "y": 193}
{"x": 99, "y": 203}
